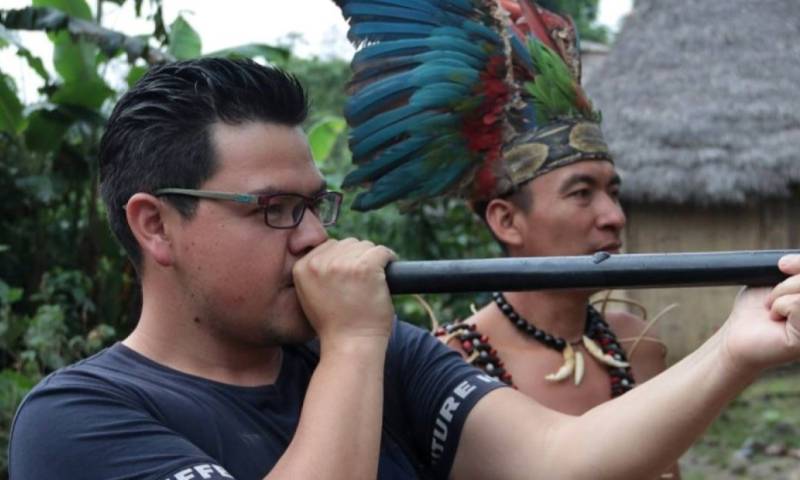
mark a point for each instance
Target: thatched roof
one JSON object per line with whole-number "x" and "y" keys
{"x": 701, "y": 100}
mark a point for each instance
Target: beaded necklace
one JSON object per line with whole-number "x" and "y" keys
{"x": 599, "y": 340}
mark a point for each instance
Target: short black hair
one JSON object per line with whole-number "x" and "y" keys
{"x": 159, "y": 133}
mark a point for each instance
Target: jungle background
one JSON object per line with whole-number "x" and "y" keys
{"x": 67, "y": 291}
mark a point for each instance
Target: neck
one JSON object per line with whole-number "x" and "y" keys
{"x": 167, "y": 334}
{"x": 561, "y": 314}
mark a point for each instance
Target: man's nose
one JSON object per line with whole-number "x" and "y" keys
{"x": 611, "y": 214}
{"x": 307, "y": 234}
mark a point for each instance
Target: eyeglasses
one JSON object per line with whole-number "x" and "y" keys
{"x": 281, "y": 210}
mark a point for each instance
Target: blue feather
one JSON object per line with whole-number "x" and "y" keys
{"x": 434, "y": 96}
{"x": 482, "y": 31}
{"x": 411, "y": 182}
{"x": 381, "y": 93}
{"x": 463, "y": 7}
{"x": 367, "y": 12}
{"x": 422, "y": 5}
{"x": 374, "y": 31}
{"x": 438, "y": 95}
{"x": 424, "y": 123}
{"x": 520, "y": 52}
{"x": 387, "y": 160}
{"x": 368, "y": 72}
{"x": 419, "y": 45}
{"x": 417, "y": 76}
{"x": 383, "y": 120}
{"x": 386, "y": 91}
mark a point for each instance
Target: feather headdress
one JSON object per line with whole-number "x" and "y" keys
{"x": 462, "y": 97}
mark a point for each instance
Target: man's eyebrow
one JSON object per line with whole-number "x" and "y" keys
{"x": 576, "y": 179}
{"x": 588, "y": 180}
{"x": 273, "y": 190}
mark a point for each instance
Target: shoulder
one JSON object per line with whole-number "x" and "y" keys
{"x": 459, "y": 334}
{"x": 625, "y": 324}
{"x": 69, "y": 404}
{"x": 646, "y": 352}
{"x": 74, "y": 388}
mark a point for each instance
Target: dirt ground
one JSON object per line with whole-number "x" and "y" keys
{"x": 757, "y": 437}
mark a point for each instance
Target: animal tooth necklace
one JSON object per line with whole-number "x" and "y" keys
{"x": 598, "y": 339}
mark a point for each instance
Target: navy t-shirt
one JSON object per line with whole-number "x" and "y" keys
{"x": 118, "y": 415}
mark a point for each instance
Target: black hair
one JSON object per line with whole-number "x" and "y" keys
{"x": 159, "y": 133}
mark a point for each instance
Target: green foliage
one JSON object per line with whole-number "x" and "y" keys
{"x": 322, "y": 137}
{"x": 10, "y": 107}
{"x": 184, "y": 42}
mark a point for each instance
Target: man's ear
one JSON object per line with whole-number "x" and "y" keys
{"x": 146, "y": 219}
{"x": 502, "y": 218}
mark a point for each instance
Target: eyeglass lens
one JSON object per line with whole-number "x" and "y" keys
{"x": 286, "y": 210}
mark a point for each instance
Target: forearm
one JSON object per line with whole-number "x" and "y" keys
{"x": 641, "y": 433}
{"x": 338, "y": 435}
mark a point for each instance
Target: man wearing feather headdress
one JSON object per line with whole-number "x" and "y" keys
{"x": 554, "y": 345}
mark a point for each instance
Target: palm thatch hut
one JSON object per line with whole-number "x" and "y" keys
{"x": 701, "y": 107}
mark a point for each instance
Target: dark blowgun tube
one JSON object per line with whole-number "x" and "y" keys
{"x": 599, "y": 271}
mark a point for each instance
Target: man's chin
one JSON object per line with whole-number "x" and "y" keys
{"x": 298, "y": 330}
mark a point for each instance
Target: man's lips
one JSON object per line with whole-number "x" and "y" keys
{"x": 611, "y": 247}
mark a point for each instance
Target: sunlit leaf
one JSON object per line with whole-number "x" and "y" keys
{"x": 184, "y": 42}
{"x": 322, "y": 137}
{"x": 75, "y": 62}
{"x": 90, "y": 93}
{"x": 73, "y": 8}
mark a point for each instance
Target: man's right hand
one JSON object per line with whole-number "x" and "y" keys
{"x": 341, "y": 285}
{"x": 342, "y": 289}
{"x": 764, "y": 327}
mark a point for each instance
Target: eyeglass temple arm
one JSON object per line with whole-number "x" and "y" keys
{"x": 234, "y": 197}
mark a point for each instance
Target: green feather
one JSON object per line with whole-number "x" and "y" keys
{"x": 553, "y": 88}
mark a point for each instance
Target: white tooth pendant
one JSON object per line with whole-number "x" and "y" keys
{"x": 578, "y": 368}
{"x": 595, "y": 351}
{"x": 566, "y": 369}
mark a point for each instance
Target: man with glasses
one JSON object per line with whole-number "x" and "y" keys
{"x": 212, "y": 191}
